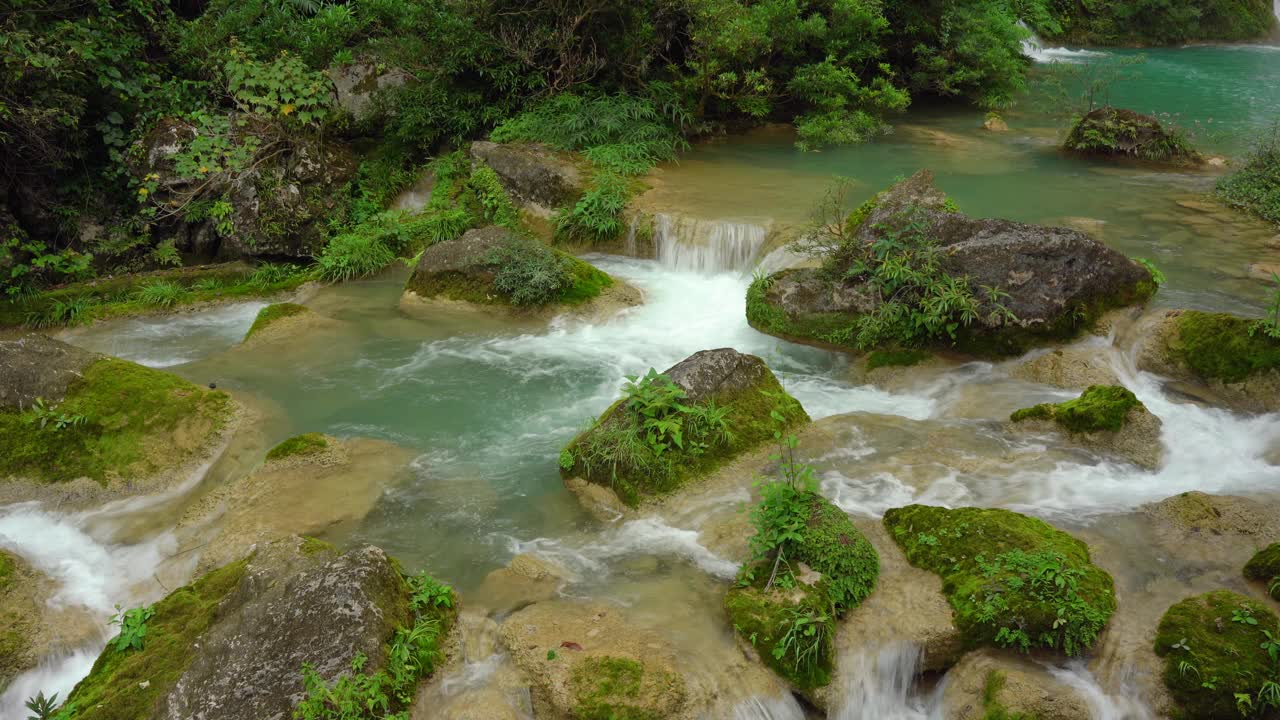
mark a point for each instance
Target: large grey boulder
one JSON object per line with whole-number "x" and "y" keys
{"x": 1057, "y": 280}
{"x": 536, "y": 175}
{"x": 356, "y": 84}
{"x": 37, "y": 366}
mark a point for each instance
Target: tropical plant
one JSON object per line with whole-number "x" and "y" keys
{"x": 133, "y": 627}
{"x": 41, "y": 707}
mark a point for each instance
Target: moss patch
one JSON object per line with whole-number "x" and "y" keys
{"x": 1118, "y": 132}
{"x": 311, "y": 546}
{"x": 131, "y": 415}
{"x": 1264, "y": 566}
{"x": 849, "y": 566}
{"x": 1100, "y": 408}
{"x": 992, "y": 707}
{"x": 1215, "y": 639}
{"x": 829, "y": 329}
{"x": 614, "y": 453}
{"x": 272, "y": 313}
{"x": 588, "y": 282}
{"x": 308, "y": 444}
{"x": 7, "y": 568}
{"x": 1218, "y": 346}
{"x": 613, "y": 688}
{"x": 896, "y": 358}
{"x": 126, "y": 685}
{"x": 1012, "y": 580}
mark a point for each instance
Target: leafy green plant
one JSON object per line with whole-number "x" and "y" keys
{"x": 284, "y": 88}
{"x": 597, "y": 217}
{"x": 1255, "y": 187}
{"x": 75, "y": 310}
{"x": 133, "y": 627}
{"x": 50, "y": 417}
{"x": 269, "y": 274}
{"x": 1157, "y": 276}
{"x": 803, "y": 638}
{"x": 528, "y": 272}
{"x": 41, "y": 707}
{"x": 160, "y": 293}
{"x": 496, "y": 206}
{"x": 352, "y": 255}
{"x": 1270, "y": 324}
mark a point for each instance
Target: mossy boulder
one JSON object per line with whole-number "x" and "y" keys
{"x": 1226, "y": 353}
{"x": 1012, "y": 581}
{"x": 1070, "y": 368}
{"x": 497, "y": 268}
{"x": 1212, "y": 646}
{"x": 272, "y": 314}
{"x": 1107, "y": 418}
{"x": 737, "y": 388}
{"x": 539, "y": 177}
{"x": 994, "y": 685}
{"x": 1056, "y": 281}
{"x": 1265, "y": 567}
{"x": 831, "y": 570}
{"x": 106, "y": 419}
{"x": 299, "y": 446}
{"x": 1116, "y": 132}
{"x": 17, "y": 653}
{"x": 232, "y": 644}
{"x": 587, "y": 661}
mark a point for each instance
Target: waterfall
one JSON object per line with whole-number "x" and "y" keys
{"x": 1034, "y": 48}
{"x": 706, "y": 246}
{"x": 878, "y": 684}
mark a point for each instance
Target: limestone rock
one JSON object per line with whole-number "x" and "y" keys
{"x": 32, "y": 627}
{"x": 1025, "y": 689}
{"x": 355, "y": 84}
{"x": 1070, "y": 368}
{"x": 537, "y": 175}
{"x": 1214, "y": 352}
{"x": 1105, "y": 418}
{"x": 37, "y": 366}
{"x": 526, "y": 579}
{"x": 995, "y": 123}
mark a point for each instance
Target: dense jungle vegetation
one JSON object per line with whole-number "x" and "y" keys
{"x": 88, "y": 86}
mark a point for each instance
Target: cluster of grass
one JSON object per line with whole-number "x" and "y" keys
{"x": 307, "y": 444}
{"x": 1100, "y": 408}
{"x": 1218, "y": 346}
{"x": 126, "y": 684}
{"x": 1265, "y": 567}
{"x": 1255, "y": 188}
{"x": 1012, "y": 580}
{"x": 121, "y": 409}
{"x": 614, "y": 688}
{"x": 83, "y": 302}
{"x": 623, "y": 136}
{"x": 1221, "y": 656}
{"x": 652, "y": 440}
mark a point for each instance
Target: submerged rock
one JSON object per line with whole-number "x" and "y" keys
{"x": 110, "y": 420}
{"x": 585, "y": 660}
{"x": 1070, "y": 368}
{"x": 541, "y": 178}
{"x": 493, "y": 267}
{"x": 991, "y": 684}
{"x": 729, "y": 397}
{"x": 1229, "y": 355}
{"x": 309, "y": 484}
{"x": 1265, "y": 568}
{"x": 1213, "y": 647}
{"x": 1056, "y": 281}
{"x": 525, "y": 580}
{"x": 1105, "y": 418}
{"x": 984, "y": 557}
{"x": 232, "y": 644}
{"x": 1116, "y": 132}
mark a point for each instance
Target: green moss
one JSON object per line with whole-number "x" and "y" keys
{"x": 126, "y": 685}
{"x": 1101, "y": 408}
{"x": 311, "y": 546}
{"x": 1265, "y": 566}
{"x": 1114, "y": 131}
{"x": 1001, "y": 572}
{"x": 308, "y": 444}
{"x": 130, "y": 413}
{"x": 272, "y": 313}
{"x": 895, "y": 358}
{"x": 849, "y": 566}
{"x": 614, "y": 688}
{"x": 827, "y": 329}
{"x": 7, "y": 568}
{"x": 1218, "y": 346}
{"x": 614, "y": 454}
{"x": 992, "y": 708}
{"x": 588, "y": 282}
{"x": 1203, "y": 642}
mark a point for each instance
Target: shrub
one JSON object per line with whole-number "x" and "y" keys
{"x": 1255, "y": 188}
{"x": 160, "y": 293}
{"x": 1012, "y": 580}
{"x": 597, "y": 216}
{"x": 529, "y": 273}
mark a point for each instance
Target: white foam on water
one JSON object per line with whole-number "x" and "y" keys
{"x": 1034, "y": 48}
{"x": 778, "y": 707}
{"x": 707, "y": 246}
{"x": 1102, "y": 706}
{"x": 55, "y": 675}
{"x": 168, "y": 340}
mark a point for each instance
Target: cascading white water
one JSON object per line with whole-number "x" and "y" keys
{"x": 1034, "y": 48}
{"x": 1102, "y": 706}
{"x": 879, "y": 684}
{"x": 165, "y": 341}
{"x": 780, "y": 707}
{"x": 706, "y": 246}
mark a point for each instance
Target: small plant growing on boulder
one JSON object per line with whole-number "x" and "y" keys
{"x": 133, "y": 627}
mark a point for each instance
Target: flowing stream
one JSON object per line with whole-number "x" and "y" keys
{"x": 485, "y": 405}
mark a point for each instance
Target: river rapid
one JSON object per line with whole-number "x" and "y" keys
{"x": 483, "y": 406}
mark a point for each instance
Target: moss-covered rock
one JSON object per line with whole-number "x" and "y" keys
{"x": 116, "y": 421}
{"x": 831, "y": 570}
{"x": 16, "y": 653}
{"x": 1212, "y": 646}
{"x": 293, "y": 605}
{"x": 1012, "y": 580}
{"x": 729, "y": 400}
{"x": 1107, "y": 418}
{"x": 1225, "y": 352}
{"x": 273, "y": 313}
{"x": 494, "y": 267}
{"x": 1028, "y": 284}
{"x": 1115, "y": 132}
{"x": 306, "y": 444}
{"x": 1265, "y": 567}
{"x": 992, "y": 685}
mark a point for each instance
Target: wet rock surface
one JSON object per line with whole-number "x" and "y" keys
{"x": 535, "y": 174}
{"x": 36, "y": 366}
{"x": 1021, "y": 687}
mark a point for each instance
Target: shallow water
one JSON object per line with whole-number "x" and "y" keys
{"x": 483, "y": 405}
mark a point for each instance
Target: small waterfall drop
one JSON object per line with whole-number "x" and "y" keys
{"x": 1034, "y": 48}
{"x": 707, "y": 246}
{"x": 879, "y": 684}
